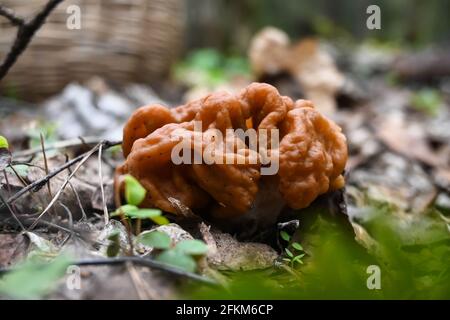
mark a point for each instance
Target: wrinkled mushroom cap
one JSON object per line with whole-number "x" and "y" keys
{"x": 312, "y": 151}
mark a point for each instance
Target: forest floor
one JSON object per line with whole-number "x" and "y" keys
{"x": 394, "y": 212}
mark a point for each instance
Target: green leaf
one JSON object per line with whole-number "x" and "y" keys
{"x": 134, "y": 192}
{"x": 155, "y": 239}
{"x": 178, "y": 260}
{"x": 427, "y": 100}
{"x": 288, "y": 252}
{"x": 115, "y": 150}
{"x": 287, "y": 259}
{"x": 161, "y": 220}
{"x": 298, "y": 259}
{"x": 144, "y": 213}
{"x": 126, "y": 209}
{"x": 285, "y": 236}
{"x": 33, "y": 279}
{"x": 3, "y": 143}
{"x": 192, "y": 247}
{"x": 134, "y": 212}
{"x": 114, "y": 245}
{"x": 297, "y": 246}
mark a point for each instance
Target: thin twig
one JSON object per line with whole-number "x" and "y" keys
{"x": 28, "y": 164}
{"x": 26, "y": 31}
{"x": 11, "y": 16}
{"x": 137, "y": 281}
{"x": 77, "y": 196}
{"x": 61, "y": 188}
{"x": 45, "y": 163}
{"x": 71, "y": 143}
{"x": 36, "y": 185}
{"x": 8, "y": 185}
{"x": 7, "y": 181}
{"x": 25, "y": 184}
{"x": 79, "y": 232}
{"x": 12, "y": 212}
{"x": 102, "y": 190}
{"x": 69, "y": 213}
{"x": 18, "y": 176}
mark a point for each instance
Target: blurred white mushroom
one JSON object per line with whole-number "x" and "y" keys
{"x": 307, "y": 61}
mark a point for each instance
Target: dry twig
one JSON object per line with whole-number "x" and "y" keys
{"x": 71, "y": 143}
{"x": 100, "y": 175}
{"x": 26, "y": 31}
{"x": 11, "y": 16}
{"x": 38, "y": 184}
{"x": 61, "y": 189}
{"x": 45, "y": 163}
{"x": 12, "y": 212}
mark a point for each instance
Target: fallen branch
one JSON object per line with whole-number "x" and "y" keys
{"x": 26, "y": 31}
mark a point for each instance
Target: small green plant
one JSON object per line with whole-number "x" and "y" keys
{"x": 115, "y": 151}
{"x": 427, "y": 100}
{"x": 134, "y": 195}
{"x": 181, "y": 255}
{"x": 209, "y": 68}
{"x": 114, "y": 244}
{"x": 290, "y": 257}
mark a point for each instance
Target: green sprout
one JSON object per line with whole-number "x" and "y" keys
{"x": 134, "y": 195}
{"x": 427, "y": 100}
{"x": 295, "y": 255}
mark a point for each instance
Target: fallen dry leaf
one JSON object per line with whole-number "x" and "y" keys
{"x": 408, "y": 139}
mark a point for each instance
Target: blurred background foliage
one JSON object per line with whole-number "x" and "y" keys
{"x": 230, "y": 24}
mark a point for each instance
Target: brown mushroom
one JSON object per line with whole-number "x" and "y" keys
{"x": 312, "y": 151}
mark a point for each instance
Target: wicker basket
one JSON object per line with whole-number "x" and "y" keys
{"x": 121, "y": 40}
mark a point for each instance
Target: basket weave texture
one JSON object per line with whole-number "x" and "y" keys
{"x": 121, "y": 40}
